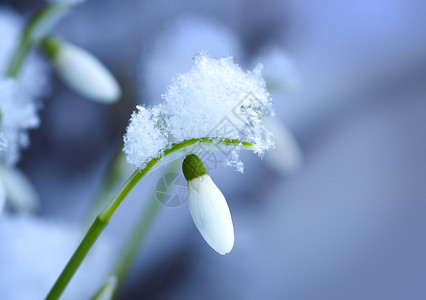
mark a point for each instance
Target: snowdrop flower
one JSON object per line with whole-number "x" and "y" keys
{"x": 2, "y": 198}
{"x": 208, "y": 206}
{"x": 216, "y": 94}
{"x": 214, "y": 106}
{"x": 286, "y": 157}
{"x": 81, "y": 71}
{"x": 19, "y": 113}
{"x": 17, "y": 190}
{"x": 172, "y": 50}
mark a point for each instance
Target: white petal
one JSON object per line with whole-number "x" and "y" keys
{"x": 211, "y": 214}
{"x": 286, "y": 157}
{"x": 86, "y": 74}
{"x": 21, "y": 194}
{"x": 2, "y": 196}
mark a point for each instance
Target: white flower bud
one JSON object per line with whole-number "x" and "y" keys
{"x": 211, "y": 213}
{"x": 19, "y": 191}
{"x": 2, "y": 197}
{"x": 286, "y": 157}
{"x": 208, "y": 206}
{"x": 82, "y": 71}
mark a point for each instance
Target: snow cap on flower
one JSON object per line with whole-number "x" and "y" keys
{"x": 208, "y": 206}
{"x": 216, "y": 94}
{"x": 145, "y": 137}
{"x": 82, "y": 71}
{"x": 19, "y": 113}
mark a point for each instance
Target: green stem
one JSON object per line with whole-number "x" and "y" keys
{"x": 33, "y": 31}
{"x": 103, "y": 218}
{"x": 137, "y": 237}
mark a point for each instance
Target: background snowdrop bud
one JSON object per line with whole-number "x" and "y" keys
{"x": 286, "y": 157}
{"x": 20, "y": 193}
{"x": 81, "y": 71}
{"x": 208, "y": 206}
{"x": 2, "y": 197}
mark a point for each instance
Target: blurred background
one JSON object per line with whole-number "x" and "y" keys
{"x": 347, "y": 222}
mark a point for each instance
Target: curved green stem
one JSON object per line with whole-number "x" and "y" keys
{"x": 33, "y": 31}
{"x": 139, "y": 233}
{"x": 103, "y": 218}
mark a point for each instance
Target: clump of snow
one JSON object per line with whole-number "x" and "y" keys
{"x": 215, "y": 99}
{"x": 146, "y": 136}
{"x": 17, "y": 97}
{"x": 34, "y": 76}
{"x": 19, "y": 113}
{"x": 173, "y": 48}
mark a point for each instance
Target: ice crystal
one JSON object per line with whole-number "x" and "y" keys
{"x": 215, "y": 99}
{"x": 145, "y": 137}
{"x": 19, "y": 113}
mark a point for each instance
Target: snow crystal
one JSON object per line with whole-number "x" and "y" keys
{"x": 19, "y": 113}
{"x": 215, "y": 99}
{"x": 146, "y": 136}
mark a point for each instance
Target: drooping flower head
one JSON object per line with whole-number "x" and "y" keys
{"x": 81, "y": 70}
{"x": 216, "y": 99}
{"x": 208, "y": 206}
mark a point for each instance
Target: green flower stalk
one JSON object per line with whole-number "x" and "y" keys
{"x": 34, "y": 30}
{"x": 103, "y": 218}
{"x": 196, "y": 105}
